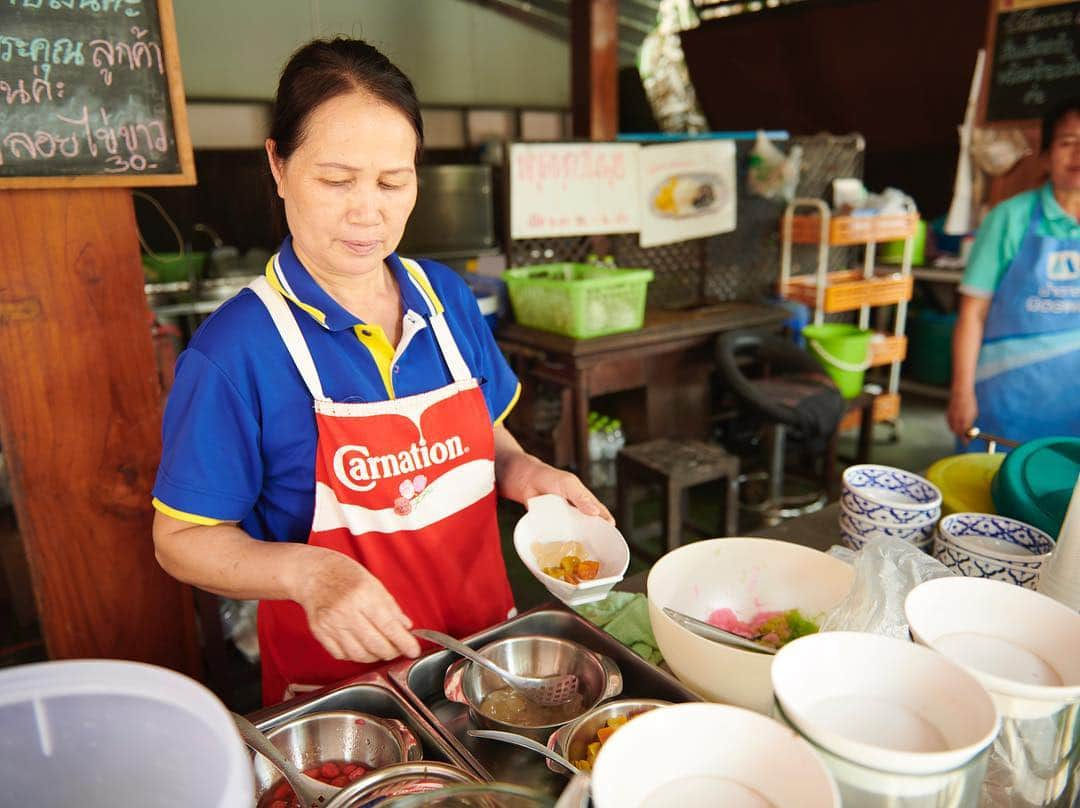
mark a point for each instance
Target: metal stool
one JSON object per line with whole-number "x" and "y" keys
{"x": 795, "y": 398}
{"x": 675, "y": 466}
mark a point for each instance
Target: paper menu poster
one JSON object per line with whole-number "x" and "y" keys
{"x": 687, "y": 191}
{"x": 573, "y": 189}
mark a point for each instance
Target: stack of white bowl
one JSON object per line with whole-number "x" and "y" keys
{"x": 896, "y": 724}
{"x": 886, "y": 502}
{"x": 1024, "y": 648}
{"x": 982, "y": 545}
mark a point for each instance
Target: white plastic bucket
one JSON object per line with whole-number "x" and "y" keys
{"x": 98, "y": 734}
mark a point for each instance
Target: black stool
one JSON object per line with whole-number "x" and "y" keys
{"x": 675, "y": 466}
{"x": 795, "y": 397}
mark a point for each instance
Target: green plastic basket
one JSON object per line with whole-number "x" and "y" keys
{"x": 578, "y": 300}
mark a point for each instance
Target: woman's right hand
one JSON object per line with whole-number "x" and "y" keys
{"x": 962, "y": 412}
{"x": 350, "y": 612}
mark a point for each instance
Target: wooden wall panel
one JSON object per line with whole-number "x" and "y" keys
{"x": 898, "y": 71}
{"x": 80, "y": 415}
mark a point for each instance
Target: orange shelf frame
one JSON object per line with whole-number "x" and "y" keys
{"x": 852, "y": 230}
{"x": 848, "y": 290}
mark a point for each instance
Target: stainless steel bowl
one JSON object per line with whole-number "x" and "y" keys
{"x": 346, "y": 735}
{"x": 572, "y": 740}
{"x": 599, "y": 678}
{"x": 398, "y": 779}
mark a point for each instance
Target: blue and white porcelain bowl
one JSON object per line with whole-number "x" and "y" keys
{"x": 981, "y": 545}
{"x": 857, "y": 531}
{"x": 890, "y": 497}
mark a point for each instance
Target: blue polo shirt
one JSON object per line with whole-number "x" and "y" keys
{"x": 239, "y": 428}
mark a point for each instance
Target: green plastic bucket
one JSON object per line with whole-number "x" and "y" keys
{"x": 844, "y": 352}
{"x": 892, "y": 252}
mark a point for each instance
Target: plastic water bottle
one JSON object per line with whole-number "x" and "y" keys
{"x": 616, "y": 441}
{"x": 611, "y": 441}
{"x": 597, "y": 449}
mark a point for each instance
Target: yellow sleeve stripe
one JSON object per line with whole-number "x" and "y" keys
{"x": 194, "y": 518}
{"x": 272, "y": 279}
{"x": 417, "y": 273}
{"x": 510, "y": 406}
{"x": 381, "y": 351}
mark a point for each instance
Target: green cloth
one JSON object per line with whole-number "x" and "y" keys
{"x": 625, "y": 616}
{"x": 1001, "y": 233}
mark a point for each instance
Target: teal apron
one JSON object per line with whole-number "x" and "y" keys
{"x": 1028, "y": 376}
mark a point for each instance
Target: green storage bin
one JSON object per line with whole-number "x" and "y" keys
{"x": 929, "y": 357}
{"x": 578, "y": 300}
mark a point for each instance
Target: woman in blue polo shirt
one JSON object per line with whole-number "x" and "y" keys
{"x": 1016, "y": 348}
{"x": 333, "y": 442}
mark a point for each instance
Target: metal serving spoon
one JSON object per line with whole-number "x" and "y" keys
{"x": 547, "y": 691}
{"x": 308, "y": 790}
{"x": 711, "y": 632}
{"x": 525, "y": 743}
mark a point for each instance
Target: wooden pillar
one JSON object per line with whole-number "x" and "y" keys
{"x": 594, "y": 68}
{"x": 80, "y": 415}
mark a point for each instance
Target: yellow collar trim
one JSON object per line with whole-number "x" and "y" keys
{"x": 416, "y": 272}
{"x": 275, "y": 283}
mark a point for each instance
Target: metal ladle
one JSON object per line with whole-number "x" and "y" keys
{"x": 525, "y": 743}
{"x": 547, "y": 691}
{"x": 308, "y": 790}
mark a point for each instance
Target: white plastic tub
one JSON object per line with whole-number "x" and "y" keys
{"x": 99, "y": 734}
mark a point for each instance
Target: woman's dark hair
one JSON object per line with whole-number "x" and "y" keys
{"x": 1053, "y": 117}
{"x": 326, "y": 68}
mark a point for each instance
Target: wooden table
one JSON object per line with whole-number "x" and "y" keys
{"x": 669, "y": 360}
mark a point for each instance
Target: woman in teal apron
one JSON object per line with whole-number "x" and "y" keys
{"x": 1016, "y": 349}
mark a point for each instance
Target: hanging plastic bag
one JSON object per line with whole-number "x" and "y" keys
{"x": 773, "y": 174}
{"x": 885, "y": 571}
{"x": 996, "y": 151}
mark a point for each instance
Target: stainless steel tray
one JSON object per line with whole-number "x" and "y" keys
{"x": 422, "y": 681}
{"x": 372, "y": 694}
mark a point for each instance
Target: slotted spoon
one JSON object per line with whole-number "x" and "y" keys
{"x": 547, "y": 691}
{"x": 310, "y": 792}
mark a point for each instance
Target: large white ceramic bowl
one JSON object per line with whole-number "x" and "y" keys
{"x": 884, "y": 703}
{"x": 708, "y": 755}
{"x": 748, "y": 576}
{"x": 1024, "y": 647}
{"x": 982, "y": 545}
{"x": 890, "y": 497}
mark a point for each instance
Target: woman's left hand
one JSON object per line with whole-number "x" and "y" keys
{"x": 522, "y": 476}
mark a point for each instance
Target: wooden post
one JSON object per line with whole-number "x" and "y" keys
{"x": 594, "y": 68}
{"x": 80, "y": 415}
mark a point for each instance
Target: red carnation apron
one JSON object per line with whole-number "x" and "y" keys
{"x": 407, "y": 488}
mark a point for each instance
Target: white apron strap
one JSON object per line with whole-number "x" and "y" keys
{"x": 289, "y": 329}
{"x": 459, "y": 370}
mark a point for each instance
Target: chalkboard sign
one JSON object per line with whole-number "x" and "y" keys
{"x": 1036, "y": 58}
{"x": 91, "y": 95}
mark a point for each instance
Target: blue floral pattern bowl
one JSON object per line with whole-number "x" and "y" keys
{"x": 890, "y": 497}
{"x": 856, "y": 532}
{"x": 981, "y": 545}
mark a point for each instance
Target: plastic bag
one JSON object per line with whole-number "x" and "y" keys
{"x": 773, "y": 174}
{"x": 239, "y": 620}
{"x": 996, "y": 151}
{"x": 885, "y": 571}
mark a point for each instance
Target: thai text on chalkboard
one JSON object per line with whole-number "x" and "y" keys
{"x": 1036, "y": 62}
{"x": 85, "y": 91}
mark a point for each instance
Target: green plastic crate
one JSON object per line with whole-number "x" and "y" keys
{"x": 578, "y": 300}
